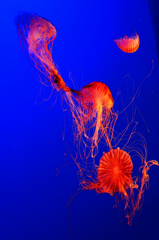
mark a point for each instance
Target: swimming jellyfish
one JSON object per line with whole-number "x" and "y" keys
{"x": 128, "y": 44}
{"x": 93, "y": 115}
{"x": 37, "y": 34}
{"x": 114, "y": 176}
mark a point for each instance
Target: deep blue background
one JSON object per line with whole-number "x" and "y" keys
{"x": 33, "y": 200}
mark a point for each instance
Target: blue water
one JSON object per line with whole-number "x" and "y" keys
{"x": 34, "y": 199}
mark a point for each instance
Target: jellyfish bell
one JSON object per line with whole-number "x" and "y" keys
{"x": 98, "y": 92}
{"x": 93, "y": 98}
{"x": 41, "y": 34}
{"x": 128, "y": 44}
{"x": 115, "y": 172}
{"x": 38, "y": 35}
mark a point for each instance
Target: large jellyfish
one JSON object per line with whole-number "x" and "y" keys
{"x": 128, "y": 44}
{"x": 37, "y": 35}
{"x": 115, "y": 172}
{"x": 93, "y": 117}
{"x": 114, "y": 176}
{"x": 91, "y": 107}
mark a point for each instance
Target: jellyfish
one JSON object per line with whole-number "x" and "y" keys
{"x": 114, "y": 176}
{"x": 115, "y": 172}
{"x": 154, "y": 11}
{"x": 91, "y": 107}
{"x": 94, "y": 117}
{"x": 37, "y": 34}
{"x": 128, "y": 44}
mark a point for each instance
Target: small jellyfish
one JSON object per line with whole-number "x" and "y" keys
{"x": 128, "y": 44}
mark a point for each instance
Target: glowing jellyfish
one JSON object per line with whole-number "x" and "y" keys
{"x": 114, "y": 176}
{"x": 38, "y": 34}
{"x": 91, "y": 107}
{"x": 93, "y": 115}
{"x": 115, "y": 172}
{"x": 128, "y": 44}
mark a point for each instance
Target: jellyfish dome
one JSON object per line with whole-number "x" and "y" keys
{"x": 115, "y": 172}
{"x": 128, "y": 44}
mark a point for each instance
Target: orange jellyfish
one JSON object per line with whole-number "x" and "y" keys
{"x": 115, "y": 172}
{"x": 92, "y": 111}
{"x": 38, "y": 34}
{"x": 128, "y": 44}
{"x": 91, "y": 107}
{"x": 114, "y": 176}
